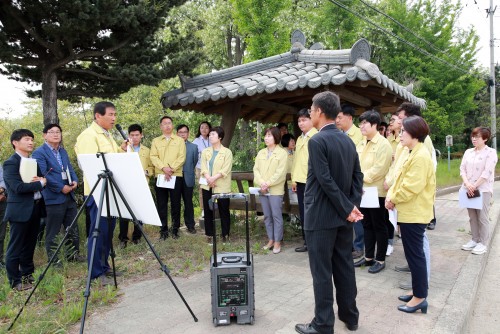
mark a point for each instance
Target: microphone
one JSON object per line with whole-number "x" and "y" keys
{"x": 124, "y": 135}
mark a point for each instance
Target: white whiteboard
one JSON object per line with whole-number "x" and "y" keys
{"x": 129, "y": 177}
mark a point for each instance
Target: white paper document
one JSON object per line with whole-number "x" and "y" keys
{"x": 370, "y": 198}
{"x": 27, "y": 169}
{"x": 68, "y": 175}
{"x": 393, "y": 218}
{"x": 254, "y": 190}
{"x": 469, "y": 203}
{"x": 161, "y": 182}
{"x": 203, "y": 181}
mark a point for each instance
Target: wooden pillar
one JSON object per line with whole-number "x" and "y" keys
{"x": 229, "y": 120}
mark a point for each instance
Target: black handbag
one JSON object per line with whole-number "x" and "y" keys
{"x": 474, "y": 195}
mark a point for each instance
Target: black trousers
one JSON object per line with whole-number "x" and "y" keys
{"x": 187, "y": 198}
{"x": 22, "y": 243}
{"x": 413, "y": 245}
{"x": 376, "y": 231}
{"x": 225, "y": 217}
{"x": 301, "y": 188}
{"x": 123, "y": 235}
{"x": 162, "y": 196}
{"x": 61, "y": 215}
{"x": 330, "y": 255}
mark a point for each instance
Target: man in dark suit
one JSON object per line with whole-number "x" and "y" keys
{"x": 333, "y": 192}
{"x": 188, "y": 175}
{"x": 25, "y": 207}
{"x": 59, "y": 193}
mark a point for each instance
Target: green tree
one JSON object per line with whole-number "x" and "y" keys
{"x": 85, "y": 48}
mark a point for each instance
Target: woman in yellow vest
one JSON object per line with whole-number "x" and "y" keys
{"x": 412, "y": 194}
{"x": 216, "y": 165}
{"x": 270, "y": 175}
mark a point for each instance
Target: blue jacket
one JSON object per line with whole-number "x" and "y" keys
{"x": 46, "y": 160}
{"x": 190, "y": 163}
{"x": 20, "y": 200}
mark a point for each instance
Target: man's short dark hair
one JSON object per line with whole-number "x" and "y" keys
{"x": 180, "y": 126}
{"x": 371, "y": 116}
{"x": 285, "y": 139}
{"x": 135, "y": 127}
{"x": 166, "y": 117}
{"x": 304, "y": 112}
{"x": 328, "y": 102}
{"x": 411, "y": 109}
{"x": 20, "y": 133}
{"x": 348, "y": 109}
{"x": 416, "y": 127}
{"x": 100, "y": 107}
{"x": 219, "y": 130}
{"x": 282, "y": 125}
{"x": 47, "y": 127}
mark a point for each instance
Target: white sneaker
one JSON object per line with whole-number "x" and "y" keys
{"x": 469, "y": 246}
{"x": 390, "y": 249}
{"x": 479, "y": 249}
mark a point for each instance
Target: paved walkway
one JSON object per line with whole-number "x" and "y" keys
{"x": 284, "y": 295}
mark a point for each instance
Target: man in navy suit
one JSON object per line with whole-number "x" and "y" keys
{"x": 25, "y": 207}
{"x": 59, "y": 195}
{"x": 188, "y": 175}
{"x": 333, "y": 191}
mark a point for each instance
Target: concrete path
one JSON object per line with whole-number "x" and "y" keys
{"x": 484, "y": 317}
{"x": 284, "y": 295}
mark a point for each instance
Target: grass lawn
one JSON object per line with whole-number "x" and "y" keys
{"x": 58, "y": 301}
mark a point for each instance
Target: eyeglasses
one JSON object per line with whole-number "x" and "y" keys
{"x": 182, "y": 131}
{"x": 54, "y": 132}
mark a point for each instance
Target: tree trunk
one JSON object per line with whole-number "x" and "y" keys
{"x": 49, "y": 98}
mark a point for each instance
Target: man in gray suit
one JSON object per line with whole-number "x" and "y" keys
{"x": 188, "y": 176}
{"x": 333, "y": 192}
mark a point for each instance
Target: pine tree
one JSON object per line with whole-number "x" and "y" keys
{"x": 91, "y": 48}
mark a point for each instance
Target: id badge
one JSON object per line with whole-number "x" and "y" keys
{"x": 64, "y": 175}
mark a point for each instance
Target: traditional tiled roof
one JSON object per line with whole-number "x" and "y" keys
{"x": 299, "y": 68}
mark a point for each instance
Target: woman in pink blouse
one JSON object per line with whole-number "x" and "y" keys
{"x": 477, "y": 170}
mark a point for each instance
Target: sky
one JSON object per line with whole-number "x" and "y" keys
{"x": 474, "y": 14}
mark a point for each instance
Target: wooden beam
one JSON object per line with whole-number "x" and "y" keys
{"x": 352, "y": 97}
{"x": 229, "y": 119}
{"x": 269, "y": 105}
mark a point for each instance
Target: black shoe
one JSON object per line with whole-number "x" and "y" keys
{"x": 402, "y": 269}
{"x": 376, "y": 268}
{"x": 28, "y": 279}
{"x": 123, "y": 244}
{"x": 301, "y": 249}
{"x": 364, "y": 262}
{"x": 175, "y": 235}
{"x": 431, "y": 226}
{"x": 163, "y": 236}
{"x": 305, "y": 329}
{"x": 408, "y": 309}
{"x": 77, "y": 258}
{"x": 135, "y": 241}
{"x": 405, "y": 298}
{"x": 109, "y": 273}
{"x": 192, "y": 230}
{"x": 22, "y": 286}
{"x": 356, "y": 254}
{"x": 352, "y": 327}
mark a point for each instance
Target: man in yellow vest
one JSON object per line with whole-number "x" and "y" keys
{"x": 168, "y": 154}
{"x": 345, "y": 123}
{"x": 97, "y": 138}
{"x": 299, "y": 166}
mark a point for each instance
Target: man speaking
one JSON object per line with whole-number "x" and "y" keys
{"x": 97, "y": 138}
{"x": 333, "y": 192}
